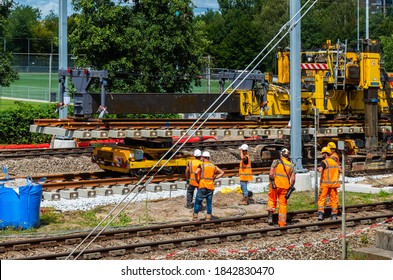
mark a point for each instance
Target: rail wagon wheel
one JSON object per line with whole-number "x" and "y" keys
{"x": 167, "y": 170}
{"x": 268, "y": 152}
{"x": 138, "y": 172}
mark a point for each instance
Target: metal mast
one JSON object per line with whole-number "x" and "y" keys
{"x": 63, "y": 92}
{"x": 295, "y": 86}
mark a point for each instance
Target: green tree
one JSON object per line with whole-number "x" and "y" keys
{"x": 7, "y": 73}
{"x": 15, "y": 123}
{"x": 147, "y": 47}
{"x": 209, "y": 26}
{"x": 242, "y": 29}
{"x": 387, "y": 44}
{"x": 45, "y": 33}
{"x": 22, "y": 22}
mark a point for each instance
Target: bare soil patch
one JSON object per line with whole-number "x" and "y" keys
{"x": 174, "y": 210}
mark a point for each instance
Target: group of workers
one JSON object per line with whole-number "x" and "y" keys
{"x": 201, "y": 173}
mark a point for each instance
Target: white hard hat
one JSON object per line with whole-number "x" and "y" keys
{"x": 285, "y": 152}
{"x": 244, "y": 147}
{"x": 197, "y": 153}
{"x": 206, "y": 154}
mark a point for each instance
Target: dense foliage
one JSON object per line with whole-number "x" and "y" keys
{"x": 7, "y": 73}
{"x": 161, "y": 46}
{"x": 15, "y": 123}
{"x": 242, "y": 28}
{"x": 146, "y": 47}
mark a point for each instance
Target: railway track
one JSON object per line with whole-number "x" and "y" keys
{"x": 105, "y": 124}
{"x": 46, "y": 152}
{"x": 56, "y": 182}
{"x": 120, "y": 243}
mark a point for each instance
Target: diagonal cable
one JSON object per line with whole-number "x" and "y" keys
{"x": 290, "y": 27}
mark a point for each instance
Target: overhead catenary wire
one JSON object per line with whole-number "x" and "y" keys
{"x": 288, "y": 26}
{"x": 189, "y": 129}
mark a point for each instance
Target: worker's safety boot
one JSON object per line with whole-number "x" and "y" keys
{"x": 270, "y": 218}
{"x": 208, "y": 217}
{"x": 195, "y": 217}
{"x": 334, "y": 217}
{"x": 244, "y": 201}
{"x": 320, "y": 216}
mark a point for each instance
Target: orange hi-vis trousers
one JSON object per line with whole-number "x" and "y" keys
{"x": 279, "y": 194}
{"x": 333, "y": 194}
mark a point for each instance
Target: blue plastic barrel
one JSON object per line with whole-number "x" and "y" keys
{"x": 21, "y": 210}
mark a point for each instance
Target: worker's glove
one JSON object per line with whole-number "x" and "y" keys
{"x": 290, "y": 191}
{"x": 271, "y": 178}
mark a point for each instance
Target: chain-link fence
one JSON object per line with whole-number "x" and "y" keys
{"x": 37, "y": 65}
{"x": 38, "y": 76}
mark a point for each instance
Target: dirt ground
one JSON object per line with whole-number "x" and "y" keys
{"x": 224, "y": 205}
{"x": 173, "y": 210}
{"x": 167, "y": 210}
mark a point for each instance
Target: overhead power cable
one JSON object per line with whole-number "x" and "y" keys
{"x": 287, "y": 27}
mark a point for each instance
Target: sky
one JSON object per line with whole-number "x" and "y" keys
{"x": 46, "y": 5}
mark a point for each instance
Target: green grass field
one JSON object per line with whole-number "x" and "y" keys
{"x": 8, "y": 104}
{"x": 33, "y": 86}
{"x": 214, "y": 87}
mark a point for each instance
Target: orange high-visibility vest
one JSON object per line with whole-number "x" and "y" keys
{"x": 193, "y": 165}
{"x": 207, "y": 175}
{"x": 330, "y": 175}
{"x": 245, "y": 171}
{"x": 281, "y": 179}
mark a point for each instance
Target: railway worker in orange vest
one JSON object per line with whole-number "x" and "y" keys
{"x": 334, "y": 156}
{"x": 282, "y": 177}
{"x": 245, "y": 173}
{"x": 206, "y": 173}
{"x": 192, "y": 165}
{"x": 330, "y": 174}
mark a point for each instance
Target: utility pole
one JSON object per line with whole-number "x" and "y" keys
{"x": 357, "y": 30}
{"x": 316, "y": 129}
{"x": 384, "y": 8}
{"x": 208, "y": 73}
{"x": 341, "y": 147}
{"x": 50, "y": 70}
{"x": 64, "y": 97}
{"x": 295, "y": 85}
{"x": 367, "y": 6}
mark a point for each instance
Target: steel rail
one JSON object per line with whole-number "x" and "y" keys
{"x": 115, "y": 251}
{"x": 76, "y": 183}
{"x": 44, "y": 152}
{"x": 182, "y": 227}
{"x": 104, "y": 124}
